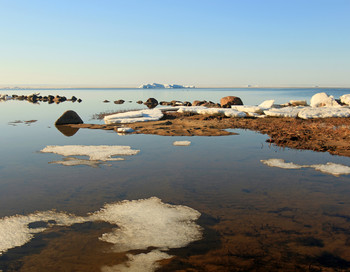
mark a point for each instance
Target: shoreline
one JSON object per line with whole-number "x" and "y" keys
{"x": 330, "y": 135}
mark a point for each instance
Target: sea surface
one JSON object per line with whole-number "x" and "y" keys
{"x": 208, "y": 206}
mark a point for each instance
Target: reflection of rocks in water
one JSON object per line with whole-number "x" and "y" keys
{"x": 67, "y": 130}
{"x": 70, "y": 161}
{"x": 28, "y": 122}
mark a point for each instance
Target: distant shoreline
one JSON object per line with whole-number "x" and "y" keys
{"x": 133, "y": 88}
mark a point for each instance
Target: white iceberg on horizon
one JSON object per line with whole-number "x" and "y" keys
{"x": 164, "y": 86}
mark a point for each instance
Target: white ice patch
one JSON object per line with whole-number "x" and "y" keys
{"x": 125, "y": 130}
{"x": 323, "y": 100}
{"x": 328, "y": 168}
{"x": 332, "y": 168}
{"x": 140, "y": 224}
{"x": 345, "y": 99}
{"x": 149, "y": 223}
{"x": 281, "y": 164}
{"x": 248, "y": 109}
{"x": 182, "y": 143}
{"x": 134, "y": 116}
{"x": 267, "y": 104}
{"x": 145, "y": 262}
{"x": 229, "y": 112}
{"x": 324, "y": 112}
{"x": 71, "y": 161}
{"x": 284, "y": 112}
{"x": 95, "y": 152}
{"x": 14, "y": 230}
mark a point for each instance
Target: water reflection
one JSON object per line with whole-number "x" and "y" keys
{"x": 67, "y": 130}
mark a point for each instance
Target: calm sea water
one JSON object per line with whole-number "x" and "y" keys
{"x": 253, "y": 216}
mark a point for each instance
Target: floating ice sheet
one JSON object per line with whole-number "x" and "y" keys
{"x": 140, "y": 224}
{"x": 328, "y": 168}
{"x": 95, "y": 152}
{"x": 182, "y": 143}
{"x": 71, "y": 161}
{"x": 134, "y": 116}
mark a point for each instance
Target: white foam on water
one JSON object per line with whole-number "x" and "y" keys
{"x": 145, "y": 262}
{"x": 281, "y": 164}
{"x": 140, "y": 224}
{"x": 134, "y": 116}
{"x": 328, "y": 168}
{"x": 345, "y": 99}
{"x": 181, "y": 143}
{"x": 95, "y": 152}
{"x": 324, "y": 112}
{"x": 284, "y": 112}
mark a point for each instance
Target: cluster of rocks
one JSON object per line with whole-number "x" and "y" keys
{"x": 35, "y": 98}
{"x": 225, "y": 102}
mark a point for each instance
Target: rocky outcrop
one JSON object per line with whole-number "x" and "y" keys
{"x": 151, "y": 103}
{"x": 120, "y": 101}
{"x": 69, "y": 117}
{"x": 228, "y": 101}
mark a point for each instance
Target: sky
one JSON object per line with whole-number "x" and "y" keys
{"x": 221, "y": 43}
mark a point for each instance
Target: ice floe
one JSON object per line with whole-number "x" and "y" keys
{"x": 345, "y": 99}
{"x": 125, "y": 130}
{"x": 71, "y": 161}
{"x": 182, "y": 143}
{"x": 94, "y": 152}
{"x": 134, "y": 116}
{"x": 267, "y": 104}
{"x": 328, "y": 168}
{"x": 281, "y": 164}
{"x": 323, "y": 100}
{"x": 139, "y": 224}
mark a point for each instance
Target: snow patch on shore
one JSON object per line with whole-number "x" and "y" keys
{"x": 134, "y": 116}
{"x": 229, "y": 112}
{"x": 328, "y": 168}
{"x": 324, "y": 112}
{"x": 284, "y": 112}
{"x": 345, "y": 99}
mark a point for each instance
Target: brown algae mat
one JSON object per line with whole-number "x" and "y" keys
{"x": 326, "y": 135}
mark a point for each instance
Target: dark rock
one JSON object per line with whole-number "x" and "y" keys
{"x": 165, "y": 103}
{"x": 120, "y": 101}
{"x": 188, "y": 104}
{"x": 198, "y": 103}
{"x": 69, "y": 117}
{"x": 79, "y": 100}
{"x": 73, "y": 98}
{"x": 106, "y": 101}
{"x": 139, "y": 102}
{"x": 151, "y": 103}
{"x": 211, "y": 104}
{"x": 228, "y": 101}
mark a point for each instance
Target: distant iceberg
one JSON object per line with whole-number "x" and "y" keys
{"x": 164, "y": 86}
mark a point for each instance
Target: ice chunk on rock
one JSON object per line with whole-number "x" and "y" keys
{"x": 284, "y": 112}
{"x": 267, "y": 104}
{"x": 323, "y": 100}
{"x": 324, "y": 112}
{"x": 134, "y": 116}
{"x": 345, "y": 99}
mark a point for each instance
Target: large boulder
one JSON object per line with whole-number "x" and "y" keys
{"x": 69, "y": 117}
{"x": 151, "y": 103}
{"x": 228, "y": 101}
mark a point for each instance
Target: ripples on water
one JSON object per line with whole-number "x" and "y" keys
{"x": 253, "y": 217}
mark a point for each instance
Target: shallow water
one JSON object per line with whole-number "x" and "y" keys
{"x": 253, "y": 216}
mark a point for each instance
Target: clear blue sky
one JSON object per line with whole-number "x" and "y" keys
{"x": 195, "y": 42}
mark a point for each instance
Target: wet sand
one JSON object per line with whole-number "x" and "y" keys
{"x": 324, "y": 135}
